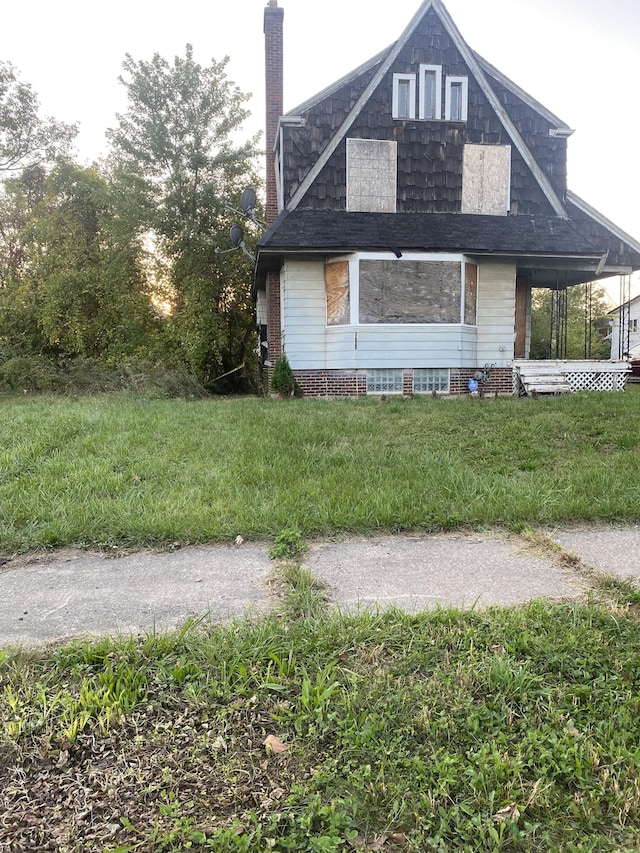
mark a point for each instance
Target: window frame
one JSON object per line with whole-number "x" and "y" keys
{"x": 397, "y": 80}
{"x": 463, "y": 83}
{"x": 436, "y": 71}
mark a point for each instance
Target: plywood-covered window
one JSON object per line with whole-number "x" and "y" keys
{"x": 336, "y": 280}
{"x": 486, "y": 179}
{"x": 470, "y": 293}
{"x": 409, "y": 291}
{"x": 372, "y": 175}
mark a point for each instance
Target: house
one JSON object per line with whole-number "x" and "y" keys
{"x": 624, "y": 328}
{"x": 412, "y": 207}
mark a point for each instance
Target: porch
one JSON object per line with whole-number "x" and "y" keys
{"x": 563, "y": 376}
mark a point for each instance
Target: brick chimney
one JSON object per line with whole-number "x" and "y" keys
{"x": 273, "y": 45}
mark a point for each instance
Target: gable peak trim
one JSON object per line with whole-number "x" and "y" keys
{"x": 375, "y": 81}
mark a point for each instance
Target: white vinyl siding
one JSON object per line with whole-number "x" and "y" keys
{"x": 304, "y": 314}
{"x": 496, "y": 313}
{"x": 311, "y": 344}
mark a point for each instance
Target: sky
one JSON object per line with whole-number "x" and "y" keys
{"x": 580, "y": 58}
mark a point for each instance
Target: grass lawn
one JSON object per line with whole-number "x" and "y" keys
{"x": 124, "y": 472}
{"x": 503, "y": 729}
{"x": 513, "y": 729}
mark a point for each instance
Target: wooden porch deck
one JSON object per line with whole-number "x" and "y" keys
{"x": 531, "y": 378}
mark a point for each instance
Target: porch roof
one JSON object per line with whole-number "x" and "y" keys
{"x": 540, "y": 246}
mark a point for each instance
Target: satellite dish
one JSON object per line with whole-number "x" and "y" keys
{"x": 248, "y": 201}
{"x": 237, "y": 236}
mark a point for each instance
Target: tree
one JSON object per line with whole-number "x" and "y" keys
{"x": 78, "y": 287}
{"x": 26, "y": 138}
{"x": 587, "y": 306}
{"x": 175, "y": 162}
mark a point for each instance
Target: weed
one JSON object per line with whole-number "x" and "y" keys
{"x": 288, "y": 545}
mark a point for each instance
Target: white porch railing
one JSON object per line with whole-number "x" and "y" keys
{"x": 562, "y": 376}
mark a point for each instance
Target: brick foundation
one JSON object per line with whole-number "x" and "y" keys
{"x": 353, "y": 383}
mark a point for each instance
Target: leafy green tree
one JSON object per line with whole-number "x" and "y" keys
{"x": 27, "y": 139}
{"x": 586, "y": 311}
{"x": 175, "y": 162}
{"x": 79, "y": 286}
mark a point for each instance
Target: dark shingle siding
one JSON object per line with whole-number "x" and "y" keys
{"x": 429, "y": 152}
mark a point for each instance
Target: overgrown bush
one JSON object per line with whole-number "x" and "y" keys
{"x": 40, "y": 374}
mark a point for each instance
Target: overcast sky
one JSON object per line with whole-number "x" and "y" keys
{"x": 580, "y": 58}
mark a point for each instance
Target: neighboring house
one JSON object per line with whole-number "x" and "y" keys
{"x": 624, "y": 328}
{"x": 413, "y": 205}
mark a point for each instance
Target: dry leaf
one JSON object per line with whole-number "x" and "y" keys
{"x": 219, "y": 743}
{"x": 510, "y": 812}
{"x": 274, "y": 745}
{"x": 378, "y": 842}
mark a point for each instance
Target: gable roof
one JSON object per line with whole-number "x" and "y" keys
{"x": 387, "y": 59}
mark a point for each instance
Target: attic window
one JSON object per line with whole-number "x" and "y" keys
{"x": 430, "y": 92}
{"x": 456, "y": 99}
{"x": 404, "y": 96}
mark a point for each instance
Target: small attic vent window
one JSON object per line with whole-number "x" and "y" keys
{"x": 456, "y": 99}
{"x": 404, "y": 96}
{"x": 430, "y": 92}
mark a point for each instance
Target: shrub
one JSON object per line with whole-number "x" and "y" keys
{"x": 283, "y": 380}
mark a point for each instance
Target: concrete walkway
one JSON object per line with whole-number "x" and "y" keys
{"x": 71, "y": 594}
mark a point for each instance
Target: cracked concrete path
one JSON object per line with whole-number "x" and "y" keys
{"x": 70, "y": 594}
{"x": 419, "y": 572}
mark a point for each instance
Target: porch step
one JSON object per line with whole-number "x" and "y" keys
{"x": 542, "y": 379}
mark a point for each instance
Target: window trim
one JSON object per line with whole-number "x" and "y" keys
{"x": 404, "y": 78}
{"x": 463, "y": 82}
{"x": 436, "y": 70}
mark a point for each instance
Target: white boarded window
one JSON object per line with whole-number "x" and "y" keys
{"x": 371, "y": 175}
{"x": 384, "y": 381}
{"x": 404, "y": 96}
{"x": 486, "y": 179}
{"x": 431, "y": 380}
{"x": 430, "y": 92}
{"x": 456, "y": 101}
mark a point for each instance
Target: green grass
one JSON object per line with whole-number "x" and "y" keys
{"x": 117, "y": 471}
{"x": 514, "y": 729}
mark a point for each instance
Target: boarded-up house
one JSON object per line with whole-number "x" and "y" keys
{"x": 413, "y": 205}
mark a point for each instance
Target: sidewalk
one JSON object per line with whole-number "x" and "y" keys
{"x": 72, "y": 594}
